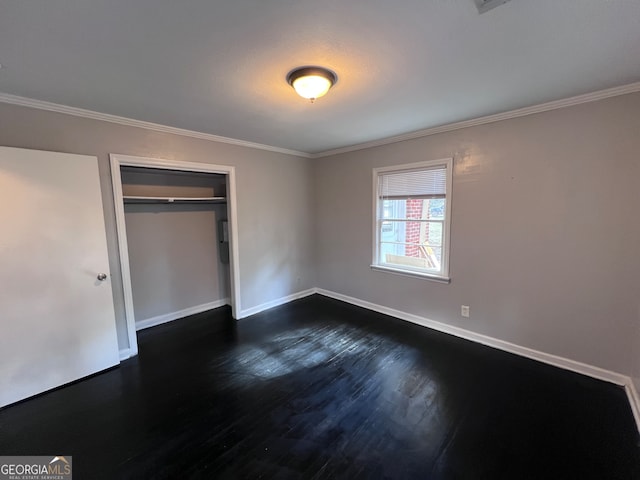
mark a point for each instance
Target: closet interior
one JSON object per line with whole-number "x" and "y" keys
{"x": 178, "y": 242}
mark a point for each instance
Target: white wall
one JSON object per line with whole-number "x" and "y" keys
{"x": 274, "y": 195}
{"x": 545, "y": 231}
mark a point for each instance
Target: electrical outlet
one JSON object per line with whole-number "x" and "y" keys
{"x": 464, "y": 310}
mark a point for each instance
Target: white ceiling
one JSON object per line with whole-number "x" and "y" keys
{"x": 219, "y": 67}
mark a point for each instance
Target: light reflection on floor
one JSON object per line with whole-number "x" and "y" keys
{"x": 294, "y": 350}
{"x": 395, "y": 386}
{"x": 291, "y": 351}
{"x": 399, "y": 386}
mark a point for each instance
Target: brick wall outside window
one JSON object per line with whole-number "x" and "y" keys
{"x": 414, "y": 210}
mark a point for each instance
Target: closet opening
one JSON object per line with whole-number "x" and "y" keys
{"x": 177, "y": 239}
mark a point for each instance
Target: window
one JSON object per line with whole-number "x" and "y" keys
{"x": 412, "y": 216}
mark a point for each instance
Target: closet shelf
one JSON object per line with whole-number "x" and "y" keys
{"x": 199, "y": 200}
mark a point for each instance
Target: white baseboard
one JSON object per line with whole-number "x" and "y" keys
{"x": 125, "y": 353}
{"x": 565, "y": 363}
{"x": 169, "y": 317}
{"x": 556, "y": 361}
{"x": 275, "y": 303}
{"x": 634, "y": 400}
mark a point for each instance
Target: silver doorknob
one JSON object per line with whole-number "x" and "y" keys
{"x": 102, "y": 277}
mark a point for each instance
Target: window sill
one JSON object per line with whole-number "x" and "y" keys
{"x": 409, "y": 273}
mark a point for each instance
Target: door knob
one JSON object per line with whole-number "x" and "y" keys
{"x": 102, "y": 277}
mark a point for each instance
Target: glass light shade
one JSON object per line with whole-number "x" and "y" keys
{"x": 312, "y": 86}
{"x": 311, "y": 82}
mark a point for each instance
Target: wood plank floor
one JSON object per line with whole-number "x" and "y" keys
{"x": 321, "y": 389}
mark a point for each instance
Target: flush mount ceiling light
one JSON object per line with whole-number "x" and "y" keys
{"x": 311, "y": 82}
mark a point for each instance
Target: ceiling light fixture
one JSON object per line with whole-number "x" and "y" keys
{"x": 311, "y": 82}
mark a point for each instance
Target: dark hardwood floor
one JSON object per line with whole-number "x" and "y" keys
{"x": 321, "y": 389}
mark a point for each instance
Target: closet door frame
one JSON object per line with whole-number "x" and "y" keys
{"x": 118, "y": 161}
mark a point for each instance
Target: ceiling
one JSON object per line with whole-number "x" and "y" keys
{"x": 219, "y": 67}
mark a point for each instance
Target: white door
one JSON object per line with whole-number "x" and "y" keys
{"x": 57, "y": 322}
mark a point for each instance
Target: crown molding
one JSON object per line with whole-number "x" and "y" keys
{"x": 130, "y": 122}
{"x": 521, "y": 112}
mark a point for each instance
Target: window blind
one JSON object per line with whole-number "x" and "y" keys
{"x": 429, "y": 183}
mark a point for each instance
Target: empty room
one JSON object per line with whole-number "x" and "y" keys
{"x": 278, "y": 239}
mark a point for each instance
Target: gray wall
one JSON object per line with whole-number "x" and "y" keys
{"x": 173, "y": 257}
{"x": 545, "y": 231}
{"x": 173, "y": 249}
{"x": 274, "y": 195}
{"x": 545, "y": 224}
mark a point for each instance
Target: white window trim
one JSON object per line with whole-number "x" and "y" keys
{"x": 438, "y": 277}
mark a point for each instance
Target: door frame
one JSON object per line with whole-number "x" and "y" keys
{"x": 118, "y": 161}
